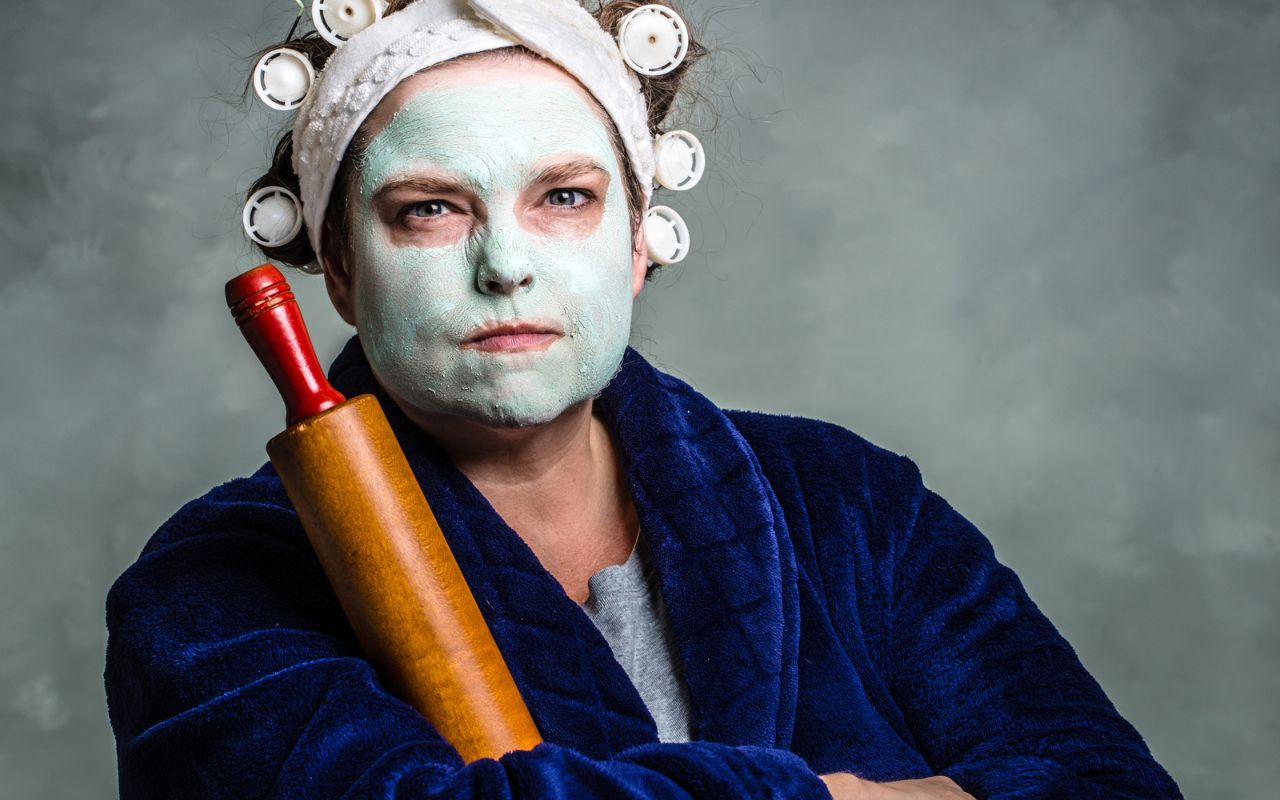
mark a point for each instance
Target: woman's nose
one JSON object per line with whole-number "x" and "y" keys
{"x": 503, "y": 263}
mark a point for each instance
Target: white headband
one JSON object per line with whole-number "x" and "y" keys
{"x": 368, "y": 66}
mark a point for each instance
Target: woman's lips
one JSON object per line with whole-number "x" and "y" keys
{"x": 513, "y": 336}
{"x": 505, "y": 342}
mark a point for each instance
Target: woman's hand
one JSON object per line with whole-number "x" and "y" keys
{"x": 845, "y": 786}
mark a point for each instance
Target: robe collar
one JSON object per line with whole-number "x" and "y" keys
{"x": 717, "y": 537}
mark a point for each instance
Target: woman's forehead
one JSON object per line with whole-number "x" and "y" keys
{"x": 494, "y": 132}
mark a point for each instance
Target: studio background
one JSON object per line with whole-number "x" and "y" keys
{"x": 1031, "y": 244}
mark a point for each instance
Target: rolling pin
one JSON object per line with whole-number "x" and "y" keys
{"x": 377, "y": 539}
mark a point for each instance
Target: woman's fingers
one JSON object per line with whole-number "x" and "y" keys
{"x": 844, "y": 786}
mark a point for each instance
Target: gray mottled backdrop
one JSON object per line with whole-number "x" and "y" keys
{"x": 1031, "y": 244}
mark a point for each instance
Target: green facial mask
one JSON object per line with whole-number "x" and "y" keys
{"x": 415, "y": 304}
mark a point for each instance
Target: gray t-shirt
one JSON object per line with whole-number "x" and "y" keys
{"x": 626, "y": 605}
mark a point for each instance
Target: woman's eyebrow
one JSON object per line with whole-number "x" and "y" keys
{"x": 568, "y": 170}
{"x": 425, "y": 184}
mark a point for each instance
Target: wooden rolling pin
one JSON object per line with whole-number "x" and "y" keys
{"x": 377, "y": 539}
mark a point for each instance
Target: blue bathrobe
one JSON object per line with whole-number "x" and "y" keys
{"x": 830, "y": 613}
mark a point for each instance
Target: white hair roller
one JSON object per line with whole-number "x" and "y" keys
{"x": 679, "y": 160}
{"x": 282, "y": 78}
{"x": 272, "y": 216}
{"x": 653, "y": 39}
{"x": 666, "y": 236}
{"x": 338, "y": 20}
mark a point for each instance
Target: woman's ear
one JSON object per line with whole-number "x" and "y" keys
{"x": 337, "y": 280}
{"x": 639, "y": 257}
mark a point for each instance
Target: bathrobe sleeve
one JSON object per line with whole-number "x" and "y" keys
{"x": 231, "y": 673}
{"x": 995, "y": 697}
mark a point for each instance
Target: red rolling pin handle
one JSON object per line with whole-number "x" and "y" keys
{"x": 264, "y": 308}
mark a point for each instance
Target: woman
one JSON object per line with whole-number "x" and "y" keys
{"x": 809, "y": 619}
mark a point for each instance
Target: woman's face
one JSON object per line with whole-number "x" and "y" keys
{"x": 490, "y": 195}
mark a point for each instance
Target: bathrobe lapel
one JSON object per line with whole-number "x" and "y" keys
{"x": 716, "y": 533}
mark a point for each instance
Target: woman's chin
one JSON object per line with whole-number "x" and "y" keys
{"x": 509, "y": 404}
{"x": 522, "y": 405}
{"x": 518, "y": 390}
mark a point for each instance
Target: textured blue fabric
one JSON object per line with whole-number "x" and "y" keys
{"x": 829, "y": 611}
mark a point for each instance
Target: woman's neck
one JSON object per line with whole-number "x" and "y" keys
{"x": 560, "y": 485}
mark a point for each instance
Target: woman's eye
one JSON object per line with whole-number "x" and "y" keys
{"x": 427, "y": 209}
{"x": 568, "y": 198}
